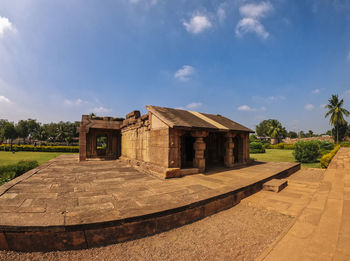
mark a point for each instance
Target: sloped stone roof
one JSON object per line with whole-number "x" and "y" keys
{"x": 176, "y": 118}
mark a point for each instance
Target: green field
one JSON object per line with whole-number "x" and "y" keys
{"x": 7, "y": 157}
{"x": 281, "y": 155}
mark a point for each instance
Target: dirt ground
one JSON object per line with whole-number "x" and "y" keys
{"x": 240, "y": 233}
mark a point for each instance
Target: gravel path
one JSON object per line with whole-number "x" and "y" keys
{"x": 240, "y": 233}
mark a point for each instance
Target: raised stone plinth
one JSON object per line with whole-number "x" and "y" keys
{"x": 190, "y": 171}
{"x": 275, "y": 185}
{"x": 66, "y": 204}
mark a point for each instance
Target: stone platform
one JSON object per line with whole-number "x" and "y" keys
{"x": 66, "y": 204}
{"x": 322, "y": 229}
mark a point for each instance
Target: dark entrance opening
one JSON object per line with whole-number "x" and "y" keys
{"x": 215, "y": 149}
{"x": 187, "y": 151}
{"x": 101, "y": 145}
{"x": 237, "y": 151}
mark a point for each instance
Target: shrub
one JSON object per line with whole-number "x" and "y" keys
{"x": 326, "y": 145}
{"x": 7, "y": 176}
{"x": 326, "y": 159}
{"x": 256, "y": 147}
{"x": 266, "y": 145}
{"x": 281, "y": 146}
{"x": 324, "y": 152}
{"x": 345, "y": 144}
{"x": 253, "y": 138}
{"x": 307, "y": 151}
{"x": 11, "y": 171}
{"x": 7, "y": 147}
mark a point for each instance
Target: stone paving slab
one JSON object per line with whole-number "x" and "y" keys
{"x": 68, "y": 192}
{"x": 70, "y": 205}
{"x": 321, "y": 231}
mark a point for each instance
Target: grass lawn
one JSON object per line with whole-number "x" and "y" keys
{"x": 281, "y": 155}
{"x": 6, "y": 157}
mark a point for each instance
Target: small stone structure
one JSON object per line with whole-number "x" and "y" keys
{"x": 166, "y": 141}
{"x": 275, "y": 185}
{"x": 91, "y": 128}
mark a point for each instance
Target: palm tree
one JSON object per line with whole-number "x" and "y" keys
{"x": 61, "y": 132}
{"x": 337, "y": 112}
{"x": 274, "y": 131}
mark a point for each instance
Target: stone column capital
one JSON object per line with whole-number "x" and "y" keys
{"x": 230, "y": 134}
{"x": 199, "y": 134}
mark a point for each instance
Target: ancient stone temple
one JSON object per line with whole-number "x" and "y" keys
{"x": 165, "y": 141}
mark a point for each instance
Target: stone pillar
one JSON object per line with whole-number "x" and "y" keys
{"x": 229, "y": 146}
{"x": 248, "y": 149}
{"x": 245, "y": 147}
{"x": 82, "y": 145}
{"x": 199, "y": 148}
{"x": 174, "y": 148}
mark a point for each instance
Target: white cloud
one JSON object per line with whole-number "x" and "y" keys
{"x": 256, "y": 10}
{"x": 316, "y": 91}
{"x": 250, "y": 23}
{"x": 147, "y": 2}
{"x": 75, "y": 103}
{"x": 309, "y": 107}
{"x": 245, "y": 108}
{"x": 276, "y": 98}
{"x": 221, "y": 13}
{"x": 197, "y": 24}
{"x": 3, "y": 99}
{"x": 269, "y": 99}
{"x": 194, "y": 105}
{"x": 100, "y": 109}
{"x": 5, "y": 25}
{"x": 184, "y": 73}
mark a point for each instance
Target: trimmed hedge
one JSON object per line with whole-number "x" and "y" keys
{"x": 307, "y": 151}
{"x": 7, "y": 147}
{"x": 324, "y": 145}
{"x": 281, "y": 146}
{"x": 12, "y": 171}
{"x": 256, "y": 147}
{"x": 345, "y": 144}
{"x": 326, "y": 159}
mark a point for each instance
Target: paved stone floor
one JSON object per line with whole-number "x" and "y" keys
{"x": 68, "y": 192}
{"x": 291, "y": 201}
{"x": 322, "y": 229}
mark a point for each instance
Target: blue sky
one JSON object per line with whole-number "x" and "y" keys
{"x": 247, "y": 60}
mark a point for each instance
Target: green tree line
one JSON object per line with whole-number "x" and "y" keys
{"x": 273, "y": 128}
{"x": 30, "y": 130}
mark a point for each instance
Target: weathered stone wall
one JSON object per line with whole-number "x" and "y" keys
{"x": 174, "y": 148}
{"x": 141, "y": 142}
